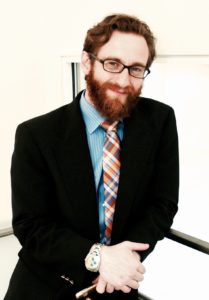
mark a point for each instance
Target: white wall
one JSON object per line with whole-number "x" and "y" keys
{"x": 36, "y": 34}
{"x": 34, "y": 37}
{"x": 183, "y": 84}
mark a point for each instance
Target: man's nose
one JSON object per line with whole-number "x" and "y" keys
{"x": 123, "y": 78}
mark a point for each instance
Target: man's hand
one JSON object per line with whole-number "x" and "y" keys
{"x": 120, "y": 267}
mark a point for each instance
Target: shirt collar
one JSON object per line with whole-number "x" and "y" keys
{"x": 92, "y": 117}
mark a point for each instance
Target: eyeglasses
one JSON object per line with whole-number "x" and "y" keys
{"x": 113, "y": 66}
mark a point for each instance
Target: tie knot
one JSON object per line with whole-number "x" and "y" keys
{"x": 109, "y": 126}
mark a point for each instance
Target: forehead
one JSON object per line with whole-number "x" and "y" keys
{"x": 128, "y": 47}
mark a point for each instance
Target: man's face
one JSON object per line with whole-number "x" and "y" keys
{"x": 115, "y": 94}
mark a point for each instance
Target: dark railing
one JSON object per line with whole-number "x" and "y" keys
{"x": 188, "y": 241}
{"x": 6, "y": 231}
{"x": 143, "y": 297}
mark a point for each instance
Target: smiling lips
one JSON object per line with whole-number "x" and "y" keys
{"x": 118, "y": 90}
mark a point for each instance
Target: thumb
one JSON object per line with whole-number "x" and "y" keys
{"x": 137, "y": 246}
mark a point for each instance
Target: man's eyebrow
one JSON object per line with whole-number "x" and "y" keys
{"x": 120, "y": 61}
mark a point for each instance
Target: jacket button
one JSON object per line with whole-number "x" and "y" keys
{"x": 67, "y": 279}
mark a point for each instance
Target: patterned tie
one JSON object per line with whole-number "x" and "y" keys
{"x": 111, "y": 173}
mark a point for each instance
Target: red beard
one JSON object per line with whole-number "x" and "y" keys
{"x": 111, "y": 108}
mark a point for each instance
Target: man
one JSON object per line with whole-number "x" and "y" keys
{"x": 95, "y": 183}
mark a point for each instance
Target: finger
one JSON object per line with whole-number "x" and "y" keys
{"x": 101, "y": 285}
{"x": 125, "y": 289}
{"x": 138, "y": 277}
{"x": 141, "y": 269}
{"x": 133, "y": 284}
{"x": 137, "y": 246}
{"x": 109, "y": 288}
{"x": 137, "y": 255}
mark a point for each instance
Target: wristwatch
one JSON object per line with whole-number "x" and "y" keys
{"x": 93, "y": 258}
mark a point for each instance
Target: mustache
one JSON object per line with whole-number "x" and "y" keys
{"x": 117, "y": 87}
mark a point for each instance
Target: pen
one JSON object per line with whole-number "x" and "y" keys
{"x": 85, "y": 292}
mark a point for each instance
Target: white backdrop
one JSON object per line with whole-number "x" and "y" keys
{"x": 182, "y": 82}
{"x": 37, "y": 35}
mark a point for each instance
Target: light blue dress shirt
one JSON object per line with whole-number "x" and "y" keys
{"x": 96, "y": 138}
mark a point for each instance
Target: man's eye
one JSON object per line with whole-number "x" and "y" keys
{"x": 137, "y": 69}
{"x": 112, "y": 64}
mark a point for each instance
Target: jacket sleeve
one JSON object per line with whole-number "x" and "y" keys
{"x": 45, "y": 238}
{"x": 161, "y": 201}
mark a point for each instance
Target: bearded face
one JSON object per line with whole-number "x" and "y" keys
{"x": 103, "y": 97}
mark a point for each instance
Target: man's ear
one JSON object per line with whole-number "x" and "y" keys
{"x": 85, "y": 62}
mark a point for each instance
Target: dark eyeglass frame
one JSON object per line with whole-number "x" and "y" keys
{"x": 102, "y": 61}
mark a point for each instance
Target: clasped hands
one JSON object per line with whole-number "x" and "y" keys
{"x": 120, "y": 267}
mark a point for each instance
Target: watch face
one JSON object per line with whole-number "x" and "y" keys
{"x": 92, "y": 262}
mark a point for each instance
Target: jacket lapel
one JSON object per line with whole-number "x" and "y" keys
{"x": 135, "y": 150}
{"x": 74, "y": 161}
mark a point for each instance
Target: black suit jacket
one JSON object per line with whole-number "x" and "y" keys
{"x": 55, "y": 211}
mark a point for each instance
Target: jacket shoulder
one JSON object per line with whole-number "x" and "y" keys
{"x": 154, "y": 105}
{"x": 154, "y": 112}
{"x": 47, "y": 127}
{"x": 46, "y": 119}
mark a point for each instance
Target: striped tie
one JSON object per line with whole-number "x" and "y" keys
{"x": 111, "y": 173}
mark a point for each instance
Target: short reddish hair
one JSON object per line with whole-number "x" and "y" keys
{"x": 100, "y": 34}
